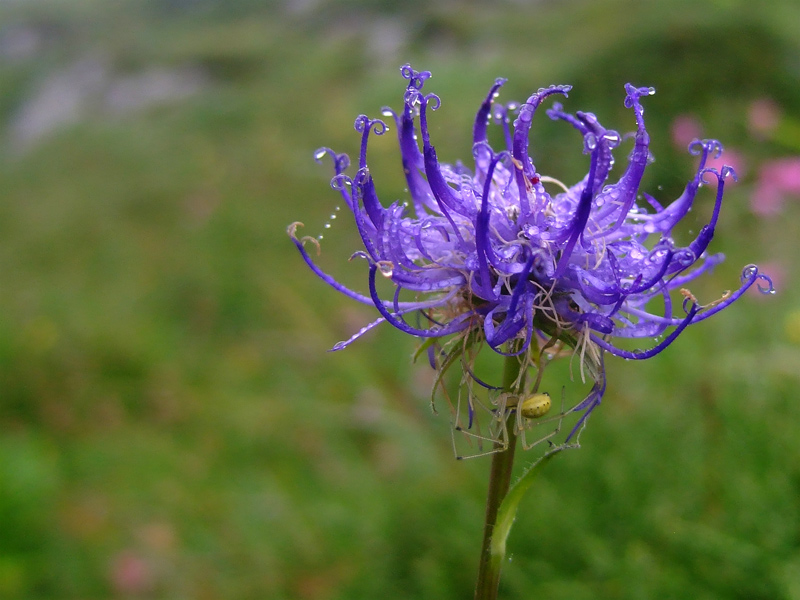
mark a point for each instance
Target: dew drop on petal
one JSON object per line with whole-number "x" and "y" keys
{"x": 612, "y": 137}
{"x": 531, "y": 230}
{"x": 386, "y": 268}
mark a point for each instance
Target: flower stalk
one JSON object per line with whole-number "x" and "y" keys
{"x": 499, "y": 482}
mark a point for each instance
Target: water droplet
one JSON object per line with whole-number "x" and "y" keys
{"x": 386, "y": 267}
{"x": 531, "y": 230}
{"x": 612, "y": 137}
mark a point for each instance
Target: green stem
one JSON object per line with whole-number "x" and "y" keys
{"x": 499, "y": 481}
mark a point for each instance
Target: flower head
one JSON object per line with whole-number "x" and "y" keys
{"x": 491, "y": 253}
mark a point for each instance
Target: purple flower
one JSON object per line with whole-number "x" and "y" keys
{"x": 490, "y": 252}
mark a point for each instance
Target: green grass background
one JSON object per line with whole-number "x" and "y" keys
{"x": 171, "y": 425}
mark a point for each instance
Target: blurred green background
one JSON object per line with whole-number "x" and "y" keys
{"x": 171, "y": 425}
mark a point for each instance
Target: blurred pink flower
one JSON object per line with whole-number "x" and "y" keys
{"x": 684, "y": 130}
{"x": 131, "y": 574}
{"x": 777, "y": 179}
{"x": 763, "y": 116}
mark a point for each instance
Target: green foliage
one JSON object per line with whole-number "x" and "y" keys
{"x": 171, "y": 425}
